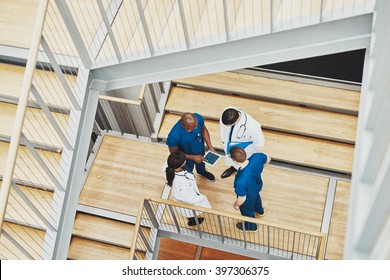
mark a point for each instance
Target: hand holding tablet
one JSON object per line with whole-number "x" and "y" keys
{"x": 211, "y": 158}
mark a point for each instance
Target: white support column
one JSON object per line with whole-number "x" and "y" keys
{"x": 368, "y": 229}
{"x": 76, "y": 175}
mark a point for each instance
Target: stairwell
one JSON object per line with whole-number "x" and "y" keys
{"x": 318, "y": 169}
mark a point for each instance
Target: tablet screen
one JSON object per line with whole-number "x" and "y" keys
{"x": 211, "y": 158}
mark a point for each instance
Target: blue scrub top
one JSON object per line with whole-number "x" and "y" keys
{"x": 191, "y": 143}
{"x": 248, "y": 181}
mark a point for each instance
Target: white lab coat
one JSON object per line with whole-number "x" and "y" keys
{"x": 252, "y": 132}
{"x": 185, "y": 190}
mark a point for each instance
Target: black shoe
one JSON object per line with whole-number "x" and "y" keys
{"x": 228, "y": 172}
{"x": 261, "y": 214}
{"x": 240, "y": 228}
{"x": 208, "y": 176}
{"x": 192, "y": 222}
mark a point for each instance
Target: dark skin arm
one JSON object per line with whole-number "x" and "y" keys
{"x": 196, "y": 158}
{"x": 206, "y": 137}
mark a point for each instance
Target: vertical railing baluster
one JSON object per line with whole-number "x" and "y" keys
{"x": 145, "y": 27}
{"x": 184, "y": 23}
{"x": 226, "y": 20}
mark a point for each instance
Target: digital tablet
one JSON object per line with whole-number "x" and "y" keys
{"x": 211, "y": 158}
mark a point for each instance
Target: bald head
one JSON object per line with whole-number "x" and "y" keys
{"x": 189, "y": 122}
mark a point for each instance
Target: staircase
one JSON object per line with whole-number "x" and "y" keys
{"x": 50, "y": 123}
{"x": 317, "y": 169}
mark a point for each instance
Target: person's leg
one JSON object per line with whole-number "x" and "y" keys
{"x": 192, "y": 221}
{"x": 201, "y": 170}
{"x": 249, "y": 212}
{"x": 189, "y": 166}
{"x": 259, "y": 206}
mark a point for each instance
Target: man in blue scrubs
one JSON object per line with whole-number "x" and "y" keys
{"x": 248, "y": 184}
{"x": 189, "y": 135}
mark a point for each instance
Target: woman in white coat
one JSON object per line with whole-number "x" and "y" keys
{"x": 184, "y": 187}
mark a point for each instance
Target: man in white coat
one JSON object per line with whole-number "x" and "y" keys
{"x": 237, "y": 128}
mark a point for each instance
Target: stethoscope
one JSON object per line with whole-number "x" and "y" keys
{"x": 241, "y": 130}
{"x": 185, "y": 175}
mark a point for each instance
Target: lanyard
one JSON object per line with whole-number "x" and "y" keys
{"x": 231, "y": 132}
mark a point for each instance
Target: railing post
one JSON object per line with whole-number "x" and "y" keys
{"x": 151, "y": 214}
{"x": 174, "y": 218}
{"x": 321, "y": 250}
{"x": 221, "y": 229}
{"x": 22, "y": 107}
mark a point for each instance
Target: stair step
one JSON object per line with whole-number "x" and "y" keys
{"x": 17, "y": 22}
{"x": 11, "y": 80}
{"x": 19, "y": 212}
{"x": 103, "y": 230}
{"x": 306, "y": 151}
{"x": 37, "y": 127}
{"x": 27, "y": 169}
{"x": 85, "y": 249}
{"x": 279, "y": 90}
{"x": 32, "y": 240}
{"x": 123, "y": 172}
{"x": 280, "y": 117}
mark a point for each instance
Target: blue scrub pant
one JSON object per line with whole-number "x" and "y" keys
{"x": 200, "y": 167}
{"x": 248, "y": 209}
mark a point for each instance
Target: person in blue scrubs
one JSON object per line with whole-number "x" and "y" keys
{"x": 189, "y": 135}
{"x": 248, "y": 184}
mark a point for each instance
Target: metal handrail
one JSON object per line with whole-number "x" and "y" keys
{"x": 143, "y": 221}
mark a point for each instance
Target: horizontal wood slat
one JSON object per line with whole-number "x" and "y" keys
{"x": 285, "y": 91}
{"x": 280, "y": 117}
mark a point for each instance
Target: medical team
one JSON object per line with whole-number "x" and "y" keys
{"x": 242, "y": 140}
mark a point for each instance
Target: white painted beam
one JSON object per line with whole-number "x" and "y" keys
{"x": 322, "y": 39}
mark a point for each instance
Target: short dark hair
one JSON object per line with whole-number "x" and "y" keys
{"x": 230, "y": 116}
{"x": 237, "y": 154}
